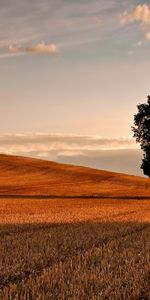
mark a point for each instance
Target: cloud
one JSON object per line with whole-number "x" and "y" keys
{"x": 148, "y": 36}
{"x": 138, "y": 44}
{"x": 13, "y": 49}
{"x": 141, "y": 13}
{"x": 40, "y": 48}
{"x": 117, "y": 154}
{"x": 9, "y": 55}
{"x": 58, "y": 144}
{"x": 66, "y": 22}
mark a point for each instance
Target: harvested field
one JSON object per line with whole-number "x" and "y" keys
{"x": 82, "y": 247}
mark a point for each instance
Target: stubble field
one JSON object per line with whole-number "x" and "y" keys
{"x": 72, "y": 242}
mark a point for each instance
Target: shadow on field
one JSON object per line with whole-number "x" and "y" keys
{"x": 97, "y": 196}
{"x": 39, "y": 247}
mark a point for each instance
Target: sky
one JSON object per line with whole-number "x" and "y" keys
{"x": 71, "y": 76}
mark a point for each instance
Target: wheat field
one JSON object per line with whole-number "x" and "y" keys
{"x": 84, "y": 240}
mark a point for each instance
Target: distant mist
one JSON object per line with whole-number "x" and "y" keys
{"x": 124, "y": 161}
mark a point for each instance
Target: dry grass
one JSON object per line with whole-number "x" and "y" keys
{"x": 24, "y": 176}
{"x": 73, "y": 248}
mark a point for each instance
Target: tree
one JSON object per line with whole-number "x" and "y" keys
{"x": 142, "y": 133}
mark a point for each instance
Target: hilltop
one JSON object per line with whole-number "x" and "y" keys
{"x": 35, "y": 177}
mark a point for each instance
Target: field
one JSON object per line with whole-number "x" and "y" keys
{"x": 72, "y": 233}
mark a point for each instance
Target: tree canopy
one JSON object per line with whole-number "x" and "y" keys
{"x": 142, "y": 133}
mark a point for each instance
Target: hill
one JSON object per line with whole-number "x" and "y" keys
{"x": 22, "y": 176}
{"x": 66, "y": 234}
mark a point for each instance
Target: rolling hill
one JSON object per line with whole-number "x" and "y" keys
{"x": 70, "y": 232}
{"x": 22, "y": 176}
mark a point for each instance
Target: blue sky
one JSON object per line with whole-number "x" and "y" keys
{"x": 73, "y": 67}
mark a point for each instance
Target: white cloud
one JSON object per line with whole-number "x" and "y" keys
{"x": 55, "y": 145}
{"x": 141, "y": 13}
{"x": 13, "y": 49}
{"x": 138, "y": 44}
{"x": 148, "y": 36}
{"x": 40, "y": 48}
{"x": 66, "y": 22}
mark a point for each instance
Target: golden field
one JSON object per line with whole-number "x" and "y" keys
{"x": 70, "y": 232}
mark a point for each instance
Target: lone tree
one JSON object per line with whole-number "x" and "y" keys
{"x": 142, "y": 133}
